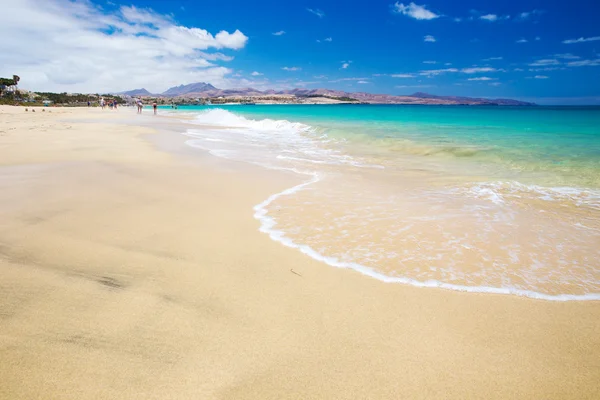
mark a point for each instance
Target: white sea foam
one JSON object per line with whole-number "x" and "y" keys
{"x": 289, "y": 146}
{"x": 497, "y": 192}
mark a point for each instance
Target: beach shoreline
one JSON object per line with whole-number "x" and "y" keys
{"x": 132, "y": 267}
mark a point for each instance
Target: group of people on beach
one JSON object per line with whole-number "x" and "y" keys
{"x": 140, "y": 106}
{"x": 111, "y": 104}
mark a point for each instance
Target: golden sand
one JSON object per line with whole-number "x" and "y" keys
{"x": 130, "y": 272}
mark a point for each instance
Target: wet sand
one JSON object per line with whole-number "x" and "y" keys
{"x": 129, "y": 271}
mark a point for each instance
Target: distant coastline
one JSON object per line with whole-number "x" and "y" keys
{"x": 205, "y": 93}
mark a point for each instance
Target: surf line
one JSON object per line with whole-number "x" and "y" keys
{"x": 268, "y": 224}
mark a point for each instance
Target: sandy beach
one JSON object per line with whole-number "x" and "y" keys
{"x": 131, "y": 267}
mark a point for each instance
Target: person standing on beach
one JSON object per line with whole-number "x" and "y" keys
{"x": 154, "y": 106}
{"x": 139, "y": 106}
{"x": 102, "y": 102}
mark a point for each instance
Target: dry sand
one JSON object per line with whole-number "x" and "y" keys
{"x": 127, "y": 271}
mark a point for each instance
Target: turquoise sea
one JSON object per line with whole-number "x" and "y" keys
{"x": 475, "y": 198}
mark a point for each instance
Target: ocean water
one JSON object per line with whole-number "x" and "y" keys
{"x": 484, "y": 199}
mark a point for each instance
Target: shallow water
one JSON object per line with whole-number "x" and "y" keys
{"x": 488, "y": 199}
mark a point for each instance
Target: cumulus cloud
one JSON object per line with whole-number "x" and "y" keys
{"x": 279, "y": 33}
{"x": 316, "y": 11}
{"x": 522, "y": 41}
{"x": 345, "y": 64}
{"x": 489, "y": 17}
{"x": 256, "y": 73}
{"x": 482, "y": 78}
{"x": 476, "y": 70}
{"x": 328, "y": 39}
{"x": 545, "y": 62}
{"x": 581, "y": 40}
{"x": 470, "y": 70}
{"x": 434, "y": 72}
{"x": 585, "y": 63}
{"x": 75, "y": 46}
{"x": 429, "y": 62}
{"x": 414, "y": 11}
{"x": 363, "y": 82}
{"x": 526, "y": 15}
{"x": 403, "y": 75}
{"x": 540, "y": 77}
{"x": 567, "y": 56}
{"x": 429, "y": 38}
{"x": 291, "y": 69}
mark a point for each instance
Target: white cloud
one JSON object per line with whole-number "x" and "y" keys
{"x": 584, "y": 63}
{"x": 544, "y": 63}
{"x": 567, "y": 56}
{"x": 457, "y": 19}
{"x": 403, "y": 75}
{"x": 434, "y": 72}
{"x": 470, "y": 70}
{"x": 489, "y": 17}
{"x": 581, "y": 40}
{"x": 345, "y": 64}
{"x": 495, "y": 84}
{"x": 528, "y": 15}
{"x": 519, "y": 69}
{"x": 328, "y": 39}
{"x": 316, "y": 11}
{"x": 482, "y": 78}
{"x": 476, "y": 70}
{"x": 414, "y": 11}
{"x": 348, "y": 79}
{"x": 493, "y": 59}
{"x": 256, "y": 73}
{"x": 78, "y": 47}
{"x": 279, "y": 33}
{"x": 545, "y": 69}
{"x": 291, "y": 69}
{"x": 429, "y": 62}
{"x": 537, "y": 38}
{"x": 429, "y": 38}
{"x": 522, "y": 41}
{"x": 363, "y": 82}
{"x": 541, "y": 77}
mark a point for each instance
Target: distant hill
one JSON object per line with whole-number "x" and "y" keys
{"x": 182, "y": 90}
{"x": 206, "y": 90}
{"x": 137, "y": 92}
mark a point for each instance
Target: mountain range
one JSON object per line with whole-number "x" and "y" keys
{"x": 206, "y": 90}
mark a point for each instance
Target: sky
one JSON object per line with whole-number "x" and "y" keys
{"x": 542, "y": 51}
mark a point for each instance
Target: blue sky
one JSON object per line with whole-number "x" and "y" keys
{"x": 545, "y": 51}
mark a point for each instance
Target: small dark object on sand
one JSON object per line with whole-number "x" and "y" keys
{"x": 32, "y": 110}
{"x": 26, "y": 109}
{"x": 294, "y": 272}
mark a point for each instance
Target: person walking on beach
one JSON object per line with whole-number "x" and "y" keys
{"x": 154, "y": 106}
{"x": 102, "y": 104}
{"x": 139, "y": 106}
